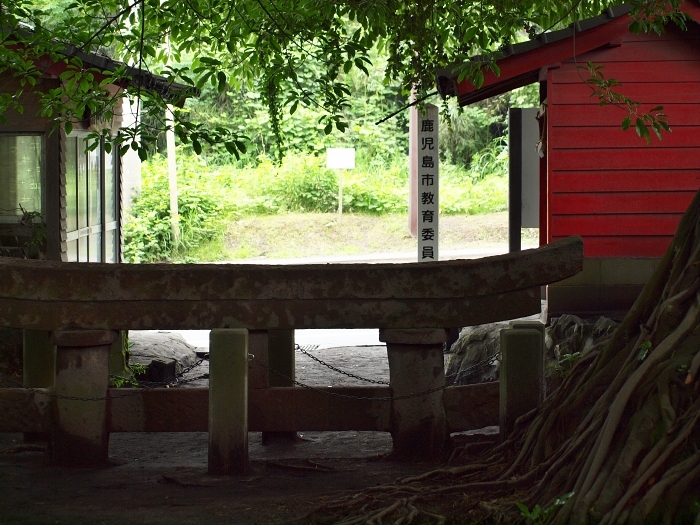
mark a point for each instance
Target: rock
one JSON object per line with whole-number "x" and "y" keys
{"x": 566, "y": 339}
{"x": 164, "y": 354}
{"x": 469, "y": 358}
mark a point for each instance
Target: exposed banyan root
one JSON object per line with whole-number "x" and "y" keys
{"x": 617, "y": 442}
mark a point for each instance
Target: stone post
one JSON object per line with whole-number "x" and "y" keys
{"x": 228, "y": 402}
{"x": 281, "y": 356}
{"x": 38, "y": 367}
{"x": 419, "y": 424}
{"x": 541, "y": 389}
{"x": 79, "y": 435}
{"x": 521, "y": 376}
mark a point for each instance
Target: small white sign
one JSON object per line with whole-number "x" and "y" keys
{"x": 428, "y": 204}
{"x": 340, "y": 158}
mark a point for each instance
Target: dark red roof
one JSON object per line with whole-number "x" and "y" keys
{"x": 520, "y": 64}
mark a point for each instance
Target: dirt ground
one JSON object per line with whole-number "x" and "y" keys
{"x": 161, "y": 478}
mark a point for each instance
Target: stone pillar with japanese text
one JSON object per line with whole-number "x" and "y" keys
{"x": 428, "y": 185}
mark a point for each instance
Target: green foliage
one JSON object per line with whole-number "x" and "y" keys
{"x": 644, "y": 349}
{"x": 134, "y": 369}
{"x": 296, "y": 54}
{"x": 566, "y": 362}
{"x": 148, "y": 233}
{"x": 467, "y": 132}
{"x": 304, "y": 184}
{"x": 34, "y": 221}
{"x": 604, "y": 90}
{"x": 300, "y": 129}
{"x": 211, "y": 193}
{"x": 492, "y": 160}
{"x": 541, "y": 515}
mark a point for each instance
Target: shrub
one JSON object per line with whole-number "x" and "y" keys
{"x": 147, "y": 232}
{"x": 302, "y": 183}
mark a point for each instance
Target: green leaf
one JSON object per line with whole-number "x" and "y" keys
{"x": 626, "y": 122}
{"x": 642, "y": 130}
{"x": 68, "y": 127}
{"x": 478, "y": 79}
{"x": 231, "y": 148}
{"x": 196, "y": 146}
{"x": 221, "y": 76}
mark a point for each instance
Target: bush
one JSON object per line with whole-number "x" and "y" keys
{"x": 148, "y": 233}
{"x": 302, "y": 183}
{"x": 488, "y": 195}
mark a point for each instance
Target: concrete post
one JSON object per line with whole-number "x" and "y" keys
{"x": 79, "y": 435}
{"x": 419, "y": 424}
{"x": 38, "y": 367}
{"x": 228, "y": 402}
{"x": 522, "y": 375}
{"x": 281, "y": 356}
{"x": 539, "y": 326}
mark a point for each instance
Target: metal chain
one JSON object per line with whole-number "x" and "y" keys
{"x": 481, "y": 364}
{"x": 338, "y": 370}
{"x": 346, "y": 396}
{"x": 143, "y": 385}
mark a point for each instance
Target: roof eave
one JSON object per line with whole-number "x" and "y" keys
{"x": 521, "y": 63}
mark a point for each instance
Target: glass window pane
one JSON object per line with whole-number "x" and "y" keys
{"x": 83, "y": 249}
{"x": 95, "y": 247}
{"x": 71, "y": 184}
{"x": 20, "y": 174}
{"x": 94, "y": 188}
{"x": 72, "y": 250}
{"x": 110, "y": 189}
{"x": 110, "y": 246}
{"x": 82, "y": 185}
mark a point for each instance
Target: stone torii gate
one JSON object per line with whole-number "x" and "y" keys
{"x": 83, "y": 304}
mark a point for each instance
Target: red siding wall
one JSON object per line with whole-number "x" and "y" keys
{"x": 623, "y": 196}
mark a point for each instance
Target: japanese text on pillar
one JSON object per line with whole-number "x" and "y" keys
{"x": 428, "y": 185}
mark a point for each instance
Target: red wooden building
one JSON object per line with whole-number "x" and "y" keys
{"x": 623, "y": 196}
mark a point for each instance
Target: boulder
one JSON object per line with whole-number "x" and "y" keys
{"x": 469, "y": 358}
{"x": 473, "y": 358}
{"x": 164, "y": 354}
{"x": 566, "y": 339}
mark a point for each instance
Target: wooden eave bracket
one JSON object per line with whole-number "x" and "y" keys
{"x": 543, "y": 71}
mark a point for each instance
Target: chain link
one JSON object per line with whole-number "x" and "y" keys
{"x": 148, "y": 385}
{"x": 143, "y": 385}
{"x": 338, "y": 370}
{"x": 481, "y": 364}
{"x": 346, "y": 396}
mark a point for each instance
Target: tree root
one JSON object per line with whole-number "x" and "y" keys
{"x": 620, "y": 431}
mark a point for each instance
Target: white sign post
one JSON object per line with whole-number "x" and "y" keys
{"x": 428, "y": 204}
{"x": 340, "y": 159}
